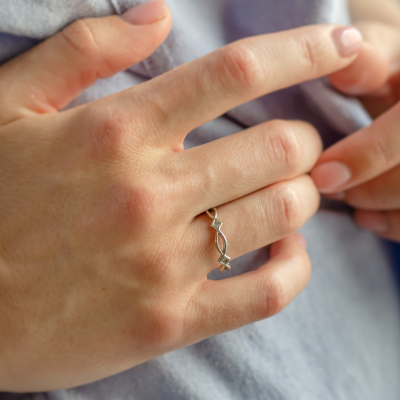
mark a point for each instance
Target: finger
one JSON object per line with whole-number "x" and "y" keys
{"x": 195, "y": 93}
{"x": 382, "y": 100}
{"x": 381, "y": 193}
{"x": 385, "y": 224}
{"x": 256, "y": 220}
{"x": 49, "y": 76}
{"x": 376, "y": 63}
{"x": 234, "y": 302}
{"x": 366, "y": 74}
{"x": 374, "y": 75}
{"x": 234, "y": 166}
{"x": 360, "y": 157}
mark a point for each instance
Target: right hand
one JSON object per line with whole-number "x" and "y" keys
{"x": 104, "y": 244}
{"x": 375, "y": 75}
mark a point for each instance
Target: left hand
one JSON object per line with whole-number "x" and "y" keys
{"x": 363, "y": 170}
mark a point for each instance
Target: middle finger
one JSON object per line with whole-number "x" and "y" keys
{"x": 234, "y": 166}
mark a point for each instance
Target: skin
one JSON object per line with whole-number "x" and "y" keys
{"x": 372, "y": 155}
{"x": 104, "y": 244}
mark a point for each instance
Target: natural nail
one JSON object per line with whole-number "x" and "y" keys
{"x": 330, "y": 176}
{"x": 146, "y": 13}
{"x": 348, "y": 40}
{"x": 373, "y": 221}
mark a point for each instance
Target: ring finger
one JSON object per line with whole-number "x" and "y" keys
{"x": 237, "y": 165}
{"x": 256, "y": 220}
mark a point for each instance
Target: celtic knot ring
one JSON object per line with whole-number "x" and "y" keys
{"x": 216, "y": 224}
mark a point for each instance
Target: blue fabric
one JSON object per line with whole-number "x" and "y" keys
{"x": 340, "y": 339}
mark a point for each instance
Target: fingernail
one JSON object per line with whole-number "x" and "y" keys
{"x": 373, "y": 221}
{"x": 348, "y": 40}
{"x": 146, "y": 13}
{"x": 330, "y": 176}
{"x": 336, "y": 196}
{"x": 301, "y": 239}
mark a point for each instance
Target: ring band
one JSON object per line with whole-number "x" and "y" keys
{"x": 216, "y": 224}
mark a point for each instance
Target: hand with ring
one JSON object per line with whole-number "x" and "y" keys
{"x": 105, "y": 246}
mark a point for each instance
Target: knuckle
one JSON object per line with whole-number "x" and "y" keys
{"x": 288, "y": 211}
{"x": 241, "y": 67}
{"x": 81, "y": 37}
{"x": 283, "y": 145}
{"x": 312, "y": 52}
{"x": 141, "y": 205}
{"x": 275, "y": 301}
{"x": 278, "y": 288}
{"x": 109, "y": 135}
{"x": 148, "y": 204}
{"x": 164, "y": 325}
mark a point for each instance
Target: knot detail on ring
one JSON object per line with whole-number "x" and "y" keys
{"x": 216, "y": 224}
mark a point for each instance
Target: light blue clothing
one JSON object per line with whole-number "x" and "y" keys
{"x": 340, "y": 339}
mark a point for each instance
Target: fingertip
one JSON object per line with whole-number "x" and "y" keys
{"x": 288, "y": 246}
{"x": 301, "y": 240}
{"x": 278, "y": 247}
{"x": 291, "y": 254}
{"x": 348, "y": 40}
{"x": 330, "y": 176}
{"x": 368, "y": 72}
{"x": 61, "y": 67}
{"x": 146, "y": 13}
{"x": 262, "y": 293}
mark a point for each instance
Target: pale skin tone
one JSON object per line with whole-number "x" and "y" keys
{"x": 371, "y": 157}
{"x": 104, "y": 244}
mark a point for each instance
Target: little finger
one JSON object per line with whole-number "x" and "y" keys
{"x": 234, "y": 166}
{"x": 234, "y": 302}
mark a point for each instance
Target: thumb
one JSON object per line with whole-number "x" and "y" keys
{"x": 47, "y": 77}
{"x": 376, "y": 63}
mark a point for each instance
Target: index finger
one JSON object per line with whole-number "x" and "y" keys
{"x": 206, "y": 88}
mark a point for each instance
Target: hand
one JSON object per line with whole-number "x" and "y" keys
{"x": 363, "y": 170}
{"x": 374, "y": 76}
{"x": 104, "y": 244}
